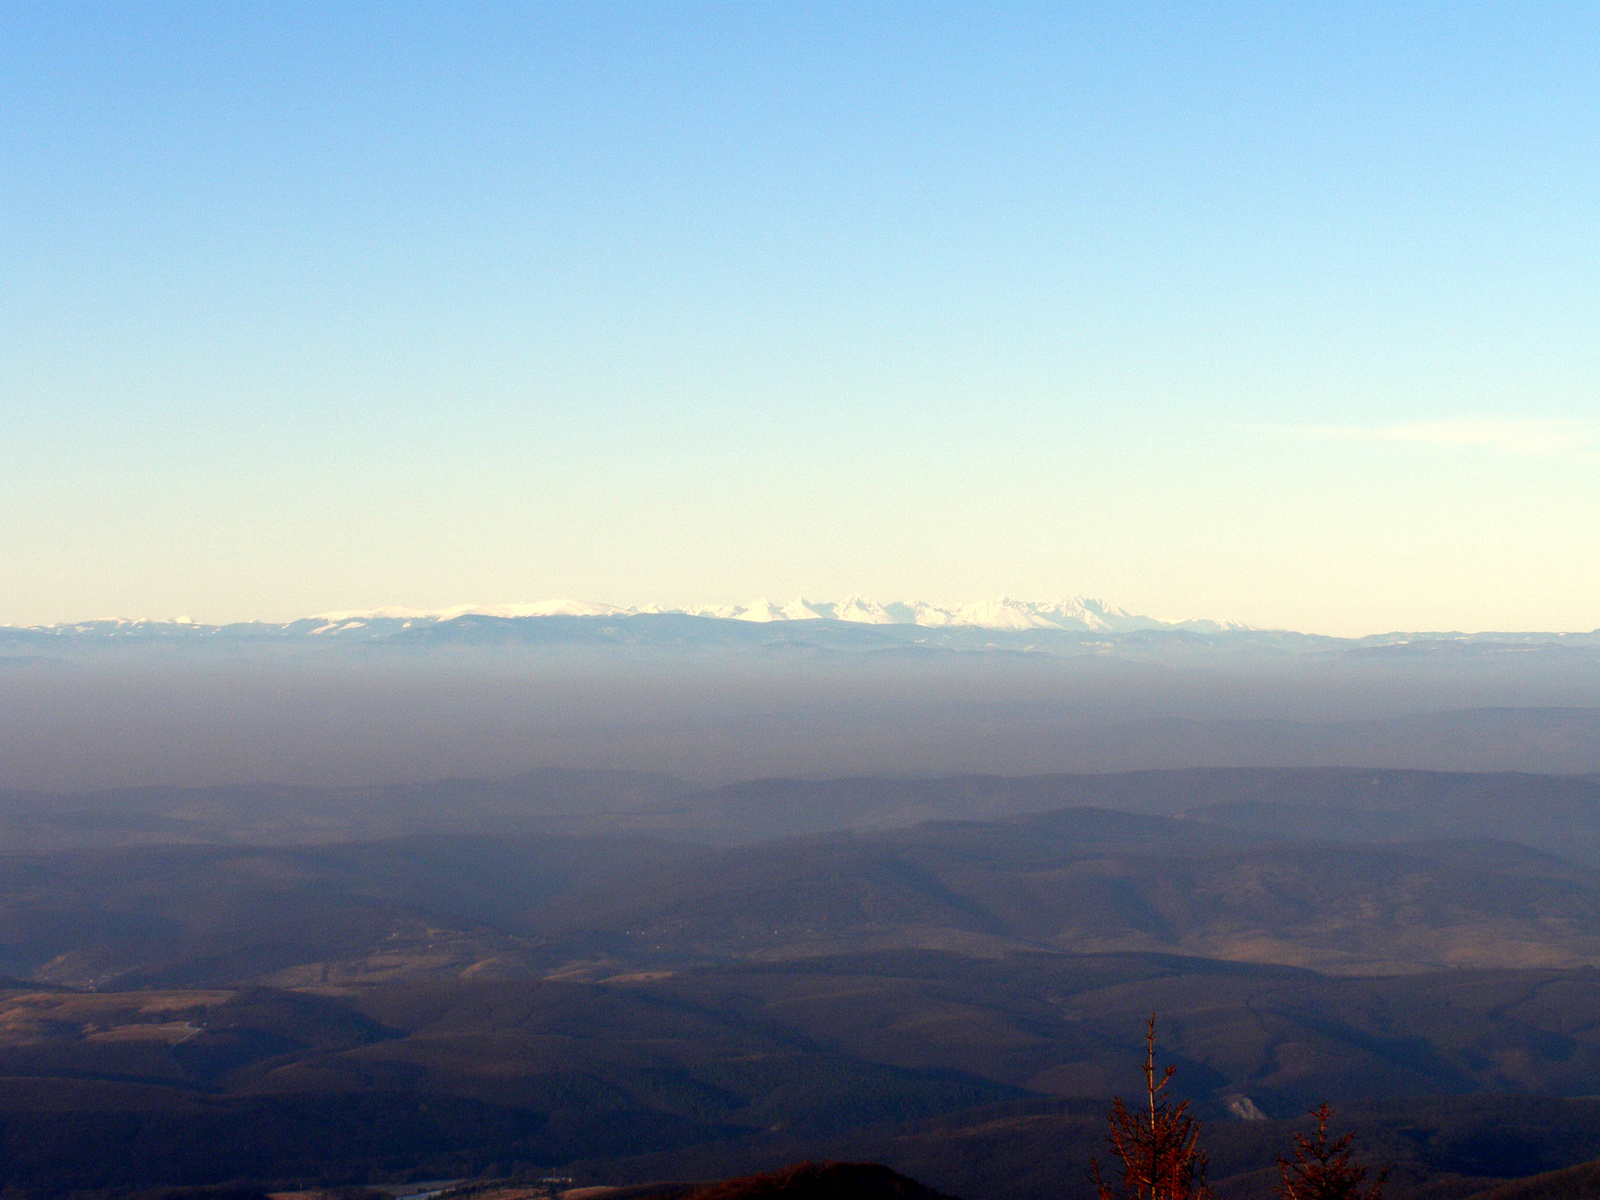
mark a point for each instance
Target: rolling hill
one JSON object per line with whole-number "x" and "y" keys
{"x": 985, "y": 1078}
{"x": 1556, "y": 813}
{"x": 956, "y": 997}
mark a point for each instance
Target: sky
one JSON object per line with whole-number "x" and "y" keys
{"x": 1281, "y": 314}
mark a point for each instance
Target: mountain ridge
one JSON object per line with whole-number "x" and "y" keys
{"x": 1082, "y": 614}
{"x": 861, "y": 622}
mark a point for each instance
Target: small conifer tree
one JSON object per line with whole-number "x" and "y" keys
{"x": 1323, "y": 1170}
{"x": 1158, "y": 1146}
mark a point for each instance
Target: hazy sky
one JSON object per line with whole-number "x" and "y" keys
{"x": 1276, "y": 313}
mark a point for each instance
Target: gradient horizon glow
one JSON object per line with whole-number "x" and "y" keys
{"x": 1275, "y": 314}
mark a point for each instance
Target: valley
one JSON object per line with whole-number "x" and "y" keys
{"x": 951, "y": 980}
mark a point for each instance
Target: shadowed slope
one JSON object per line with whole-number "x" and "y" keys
{"x": 820, "y": 1181}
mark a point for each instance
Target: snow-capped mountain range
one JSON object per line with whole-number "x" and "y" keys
{"x": 1057, "y": 626}
{"x": 1078, "y": 614}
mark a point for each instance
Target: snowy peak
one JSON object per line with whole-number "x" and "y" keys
{"x": 1080, "y": 614}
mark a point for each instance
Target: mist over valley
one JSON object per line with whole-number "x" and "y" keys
{"x": 635, "y": 897}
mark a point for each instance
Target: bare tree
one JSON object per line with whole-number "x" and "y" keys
{"x": 1158, "y": 1146}
{"x": 1322, "y": 1170}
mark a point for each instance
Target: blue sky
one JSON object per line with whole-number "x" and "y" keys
{"x": 1280, "y": 314}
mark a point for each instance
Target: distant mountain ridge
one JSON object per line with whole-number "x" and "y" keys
{"x": 1079, "y": 613}
{"x": 857, "y": 623}
{"x": 1083, "y": 614}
